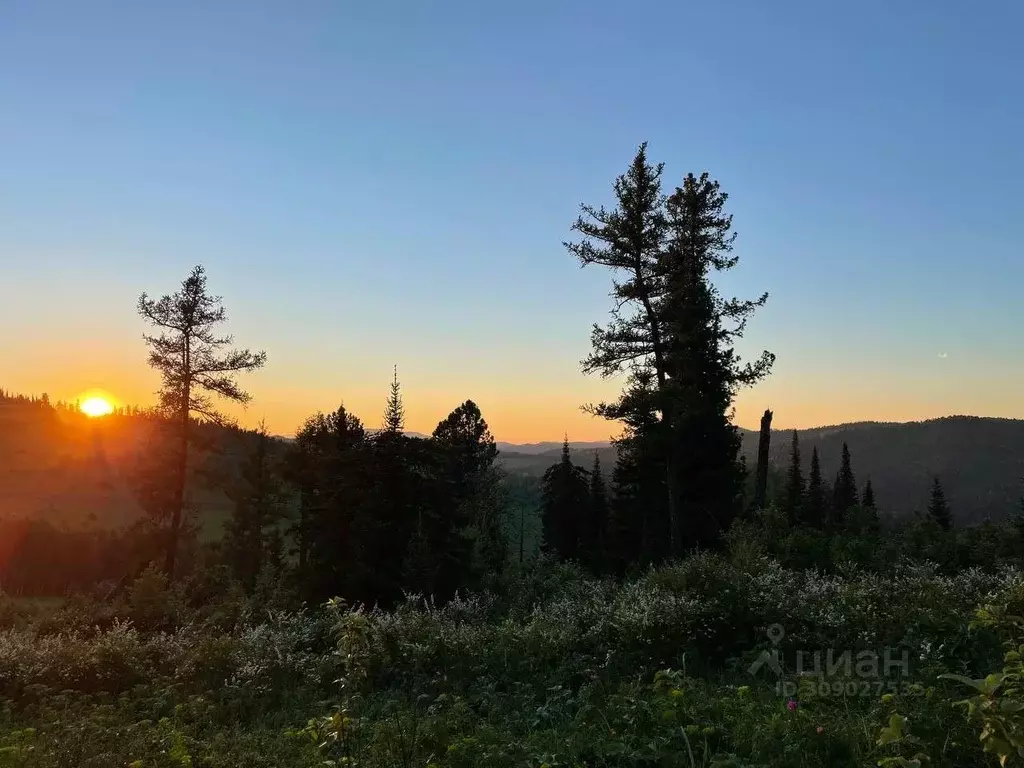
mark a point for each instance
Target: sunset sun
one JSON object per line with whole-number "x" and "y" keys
{"x": 96, "y": 406}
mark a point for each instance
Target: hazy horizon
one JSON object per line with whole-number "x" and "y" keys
{"x": 365, "y": 194}
{"x": 247, "y": 419}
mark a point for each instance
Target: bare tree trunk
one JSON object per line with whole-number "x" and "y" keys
{"x": 761, "y": 487}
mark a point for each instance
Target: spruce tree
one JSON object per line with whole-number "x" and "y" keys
{"x": 868, "y": 508}
{"x": 564, "y": 511}
{"x": 844, "y": 492}
{"x": 705, "y": 372}
{"x": 194, "y": 364}
{"x": 795, "y": 490}
{"x": 938, "y": 508}
{"x": 598, "y": 523}
{"x": 869, "y": 496}
{"x": 402, "y": 507}
{"x": 815, "y": 505}
{"x": 394, "y": 412}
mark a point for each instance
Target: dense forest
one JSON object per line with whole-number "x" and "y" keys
{"x": 193, "y": 593}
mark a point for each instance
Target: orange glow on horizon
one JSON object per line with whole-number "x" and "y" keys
{"x": 96, "y": 404}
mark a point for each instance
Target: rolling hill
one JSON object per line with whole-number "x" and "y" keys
{"x": 980, "y": 461}
{"x": 75, "y": 471}
{"x": 56, "y": 463}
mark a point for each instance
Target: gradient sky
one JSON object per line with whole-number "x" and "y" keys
{"x": 371, "y": 184}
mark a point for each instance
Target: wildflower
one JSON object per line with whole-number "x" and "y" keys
{"x": 819, "y": 729}
{"x": 791, "y": 705}
{"x": 743, "y": 691}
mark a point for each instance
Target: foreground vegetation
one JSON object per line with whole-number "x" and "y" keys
{"x": 554, "y": 668}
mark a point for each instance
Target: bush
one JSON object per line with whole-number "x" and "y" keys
{"x": 560, "y": 668}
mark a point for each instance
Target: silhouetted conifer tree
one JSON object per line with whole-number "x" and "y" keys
{"x": 795, "y": 490}
{"x": 674, "y": 334}
{"x": 938, "y": 508}
{"x": 194, "y": 363}
{"x": 394, "y": 413}
{"x": 469, "y": 448}
{"x": 869, "y": 496}
{"x": 598, "y": 524}
{"x": 564, "y": 511}
{"x": 470, "y": 534}
{"x": 638, "y": 514}
{"x": 303, "y": 471}
{"x": 815, "y": 499}
{"x": 844, "y": 492}
{"x": 704, "y": 370}
{"x": 624, "y": 514}
{"x": 335, "y": 465}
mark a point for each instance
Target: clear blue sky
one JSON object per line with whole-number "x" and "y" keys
{"x": 379, "y": 183}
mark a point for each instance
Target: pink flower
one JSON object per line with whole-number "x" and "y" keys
{"x": 820, "y": 729}
{"x": 791, "y": 705}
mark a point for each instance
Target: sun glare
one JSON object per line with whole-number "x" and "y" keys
{"x": 96, "y": 406}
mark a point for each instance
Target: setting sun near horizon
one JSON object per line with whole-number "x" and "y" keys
{"x": 96, "y": 405}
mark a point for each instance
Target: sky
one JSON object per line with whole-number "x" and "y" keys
{"x": 390, "y": 183}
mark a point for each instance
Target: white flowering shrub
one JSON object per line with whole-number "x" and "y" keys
{"x": 565, "y": 669}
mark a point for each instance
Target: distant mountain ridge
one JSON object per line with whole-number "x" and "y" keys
{"x": 58, "y": 464}
{"x": 534, "y": 449}
{"x": 979, "y": 460}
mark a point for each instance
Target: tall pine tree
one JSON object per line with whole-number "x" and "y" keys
{"x": 674, "y": 335}
{"x": 795, "y": 490}
{"x": 629, "y": 240}
{"x": 194, "y": 364}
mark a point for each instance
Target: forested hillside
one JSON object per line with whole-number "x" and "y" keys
{"x": 980, "y": 461}
{"x": 72, "y": 470}
{"x": 58, "y": 464}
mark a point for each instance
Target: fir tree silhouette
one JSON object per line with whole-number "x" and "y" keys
{"x": 938, "y": 507}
